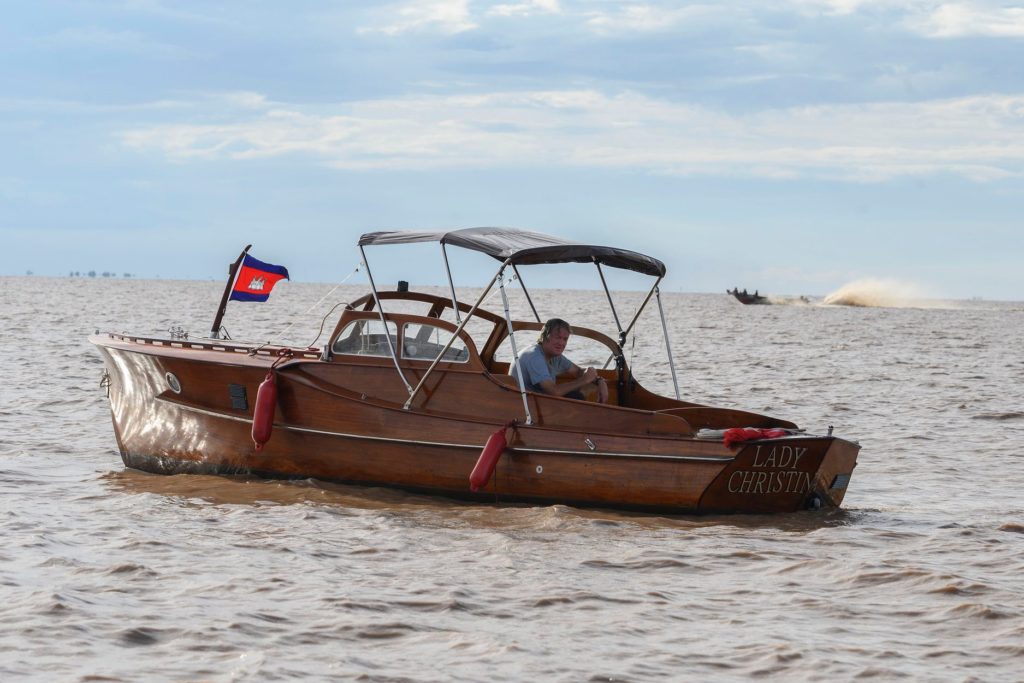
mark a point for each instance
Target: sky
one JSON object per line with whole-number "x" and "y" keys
{"x": 792, "y": 146}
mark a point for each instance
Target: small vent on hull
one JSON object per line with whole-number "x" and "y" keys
{"x": 239, "y": 399}
{"x": 840, "y": 482}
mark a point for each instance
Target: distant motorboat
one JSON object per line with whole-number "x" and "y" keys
{"x": 745, "y": 298}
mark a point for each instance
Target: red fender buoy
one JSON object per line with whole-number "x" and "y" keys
{"x": 488, "y": 459}
{"x": 263, "y": 413}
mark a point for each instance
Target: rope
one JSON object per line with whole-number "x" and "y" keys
{"x": 504, "y": 283}
{"x": 280, "y": 336}
{"x": 282, "y": 355}
{"x": 323, "y": 321}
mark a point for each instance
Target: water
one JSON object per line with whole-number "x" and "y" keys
{"x": 108, "y": 574}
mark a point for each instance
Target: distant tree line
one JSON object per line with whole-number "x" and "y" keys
{"x": 93, "y": 273}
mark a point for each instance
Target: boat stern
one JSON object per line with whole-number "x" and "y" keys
{"x": 784, "y": 475}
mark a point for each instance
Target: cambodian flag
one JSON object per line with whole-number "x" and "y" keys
{"x": 255, "y": 280}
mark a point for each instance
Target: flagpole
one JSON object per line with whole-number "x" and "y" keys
{"x": 232, "y": 274}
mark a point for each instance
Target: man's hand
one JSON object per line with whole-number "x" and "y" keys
{"x": 591, "y": 377}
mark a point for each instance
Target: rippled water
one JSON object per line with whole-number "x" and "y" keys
{"x": 107, "y": 574}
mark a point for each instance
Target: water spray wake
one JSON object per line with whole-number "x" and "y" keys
{"x": 789, "y": 300}
{"x": 877, "y": 294}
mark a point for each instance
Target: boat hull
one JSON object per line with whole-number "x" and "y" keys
{"x": 327, "y": 429}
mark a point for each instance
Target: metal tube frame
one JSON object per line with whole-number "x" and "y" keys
{"x": 642, "y": 306}
{"x": 655, "y": 290}
{"x": 622, "y": 335}
{"x": 451, "y": 284}
{"x": 528, "y": 299}
{"x": 462, "y": 325}
{"x": 515, "y": 351}
{"x": 383, "y": 320}
{"x": 629, "y": 328}
{"x": 668, "y": 343}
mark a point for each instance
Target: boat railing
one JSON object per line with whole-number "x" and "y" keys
{"x": 259, "y": 349}
{"x": 438, "y": 304}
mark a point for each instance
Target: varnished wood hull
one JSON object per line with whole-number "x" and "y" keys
{"x": 346, "y": 424}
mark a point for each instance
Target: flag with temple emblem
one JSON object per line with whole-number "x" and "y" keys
{"x": 255, "y": 279}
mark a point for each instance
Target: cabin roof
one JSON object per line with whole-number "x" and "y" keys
{"x": 523, "y": 247}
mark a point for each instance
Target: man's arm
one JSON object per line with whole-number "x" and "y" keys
{"x": 581, "y": 378}
{"x": 597, "y": 380}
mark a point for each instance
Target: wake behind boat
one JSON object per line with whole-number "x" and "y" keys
{"x": 414, "y": 401}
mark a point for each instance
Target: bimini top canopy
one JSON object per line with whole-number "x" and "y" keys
{"x": 523, "y": 247}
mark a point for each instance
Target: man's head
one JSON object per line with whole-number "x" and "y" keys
{"x": 554, "y": 336}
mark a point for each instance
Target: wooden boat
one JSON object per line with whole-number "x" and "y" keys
{"x": 746, "y": 298}
{"x": 409, "y": 400}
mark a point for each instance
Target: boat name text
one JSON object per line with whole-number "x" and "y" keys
{"x": 773, "y": 472}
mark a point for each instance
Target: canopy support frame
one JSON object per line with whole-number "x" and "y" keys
{"x": 451, "y": 283}
{"x": 384, "y": 322}
{"x": 515, "y": 350}
{"x": 668, "y": 342}
{"x": 455, "y": 335}
{"x": 636, "y": 316}
{"x": 528, "y": 299}
{"x": 628, "y": 260}
{"x": 611, "y": 304}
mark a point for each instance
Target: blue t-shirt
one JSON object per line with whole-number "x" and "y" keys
{"x": 536, "y": 367}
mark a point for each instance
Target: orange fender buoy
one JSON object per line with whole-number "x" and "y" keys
{"x": 488, "y": 460}
{"x": 263, "y": 413}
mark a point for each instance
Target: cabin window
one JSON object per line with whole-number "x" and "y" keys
{"x": 424, "y": 342}
{"x": 366, "y": 338}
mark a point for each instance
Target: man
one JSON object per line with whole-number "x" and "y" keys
{"x": 543, "y": 363}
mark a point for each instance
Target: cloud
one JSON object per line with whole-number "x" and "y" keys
{"x": 244, "y": 99}
{"x": 975, "y": 137}
{"x": 446, "y": 16}
{"x": 964, "y": 19}
{"x": 649, "y": 18}
{"x": 528, "y": 8}
{"x": 203, "y": 102}
{"x": 455, "y": 16}
{"x": 931, "y": 18}
{"x": 843, "y": 7}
